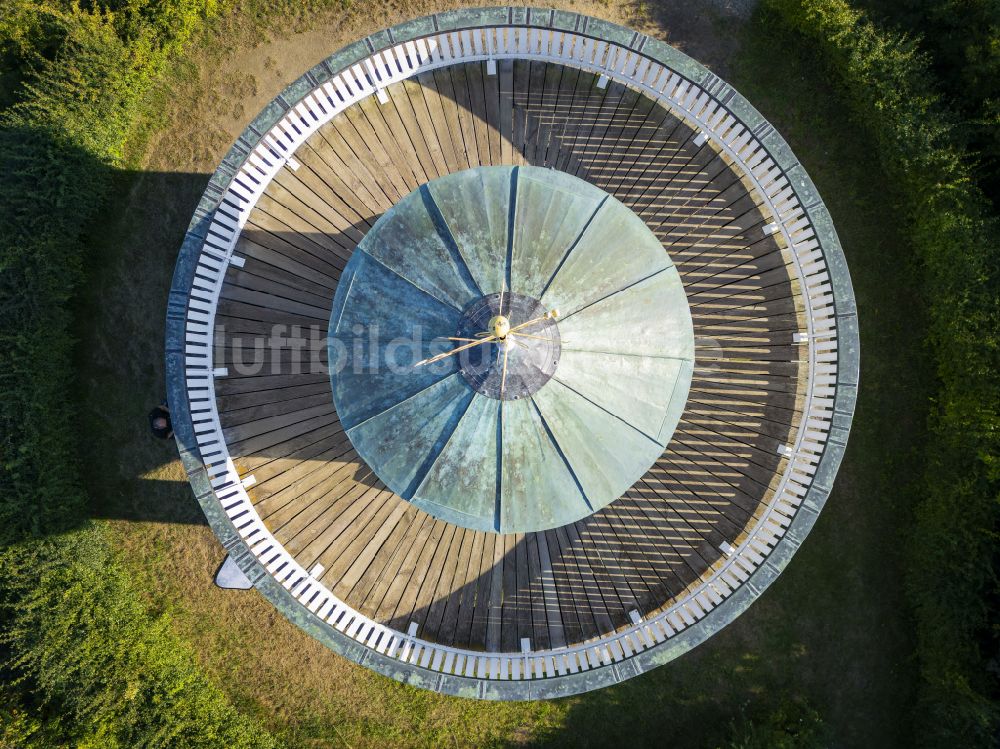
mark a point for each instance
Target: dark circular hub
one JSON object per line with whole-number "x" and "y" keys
{"x": 532, "y": 353}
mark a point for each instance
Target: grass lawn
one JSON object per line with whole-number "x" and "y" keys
{"x": 833, "y": 630}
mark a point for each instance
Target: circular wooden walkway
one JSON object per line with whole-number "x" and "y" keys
{"x": 708, "y": 496}
{"x": 399, "y": 565}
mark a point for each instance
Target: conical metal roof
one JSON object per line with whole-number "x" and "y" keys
{"x": 548, "y": 424}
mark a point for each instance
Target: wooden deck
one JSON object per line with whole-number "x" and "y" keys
{"x": 397, "y": 564}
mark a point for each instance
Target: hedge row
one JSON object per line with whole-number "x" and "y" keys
{"x": 93, "y": 667}
{"x": 953, "y": 547}
{"x": 87, "y": 74}
{"x": 963, "y": 39}
{"x": 84, "y": 663}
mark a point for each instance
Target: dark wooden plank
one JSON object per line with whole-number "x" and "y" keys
{"x": 494, "y": 610}
{"x": 367, "y": 588}
{"x": 457, "y": 589}
{"x": 532, "y": 123}
{"x": 509, "y": 153}
{"x": 425, "y": 126}
{"x": 351, "y": 557}
{"x": 520, "y": 615}
{"x": 291, "y": 207}
{"x": 388, "y": 118}
{"x": 427, "y": 606}
{"x": 508, "y": 629}
{"x": 378, "y": 156}
{"x": 519, "y": 109}
{"x": 470, "y": 590}
{"x": 336, "y": 187}
{"x": 448, "y": 109}
{"x": 544, "y": 112}
{"x": 332, "y": 147}
{"x": 310, "y": 495}
{"x": 466, "y": 117}
{"x": 399, "y": 573}
{"x": 548, "y": 551}
{"x": 440, "y": 127}
{"x": 477, "y": 107}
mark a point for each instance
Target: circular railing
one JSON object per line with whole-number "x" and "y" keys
{"x": 724, "y": 120}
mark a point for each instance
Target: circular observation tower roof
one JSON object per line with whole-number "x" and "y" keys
{"x": 409, "y": 180}
{"x": 546, "y": 422}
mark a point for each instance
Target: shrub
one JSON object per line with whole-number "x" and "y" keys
{"x": 57, "y": 146}
{"x": 952, "y": 549}
{"x": 96, "y": 669}
{"x": 963, "y": 38}
{"x": 83, "y": 661}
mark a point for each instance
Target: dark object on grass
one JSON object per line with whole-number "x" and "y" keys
{"x": 159, "y": 422}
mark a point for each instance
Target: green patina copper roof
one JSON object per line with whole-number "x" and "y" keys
{"x": 588, "y": 401}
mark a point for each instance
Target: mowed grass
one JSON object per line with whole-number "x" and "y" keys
{"x": 832, "y": 631}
